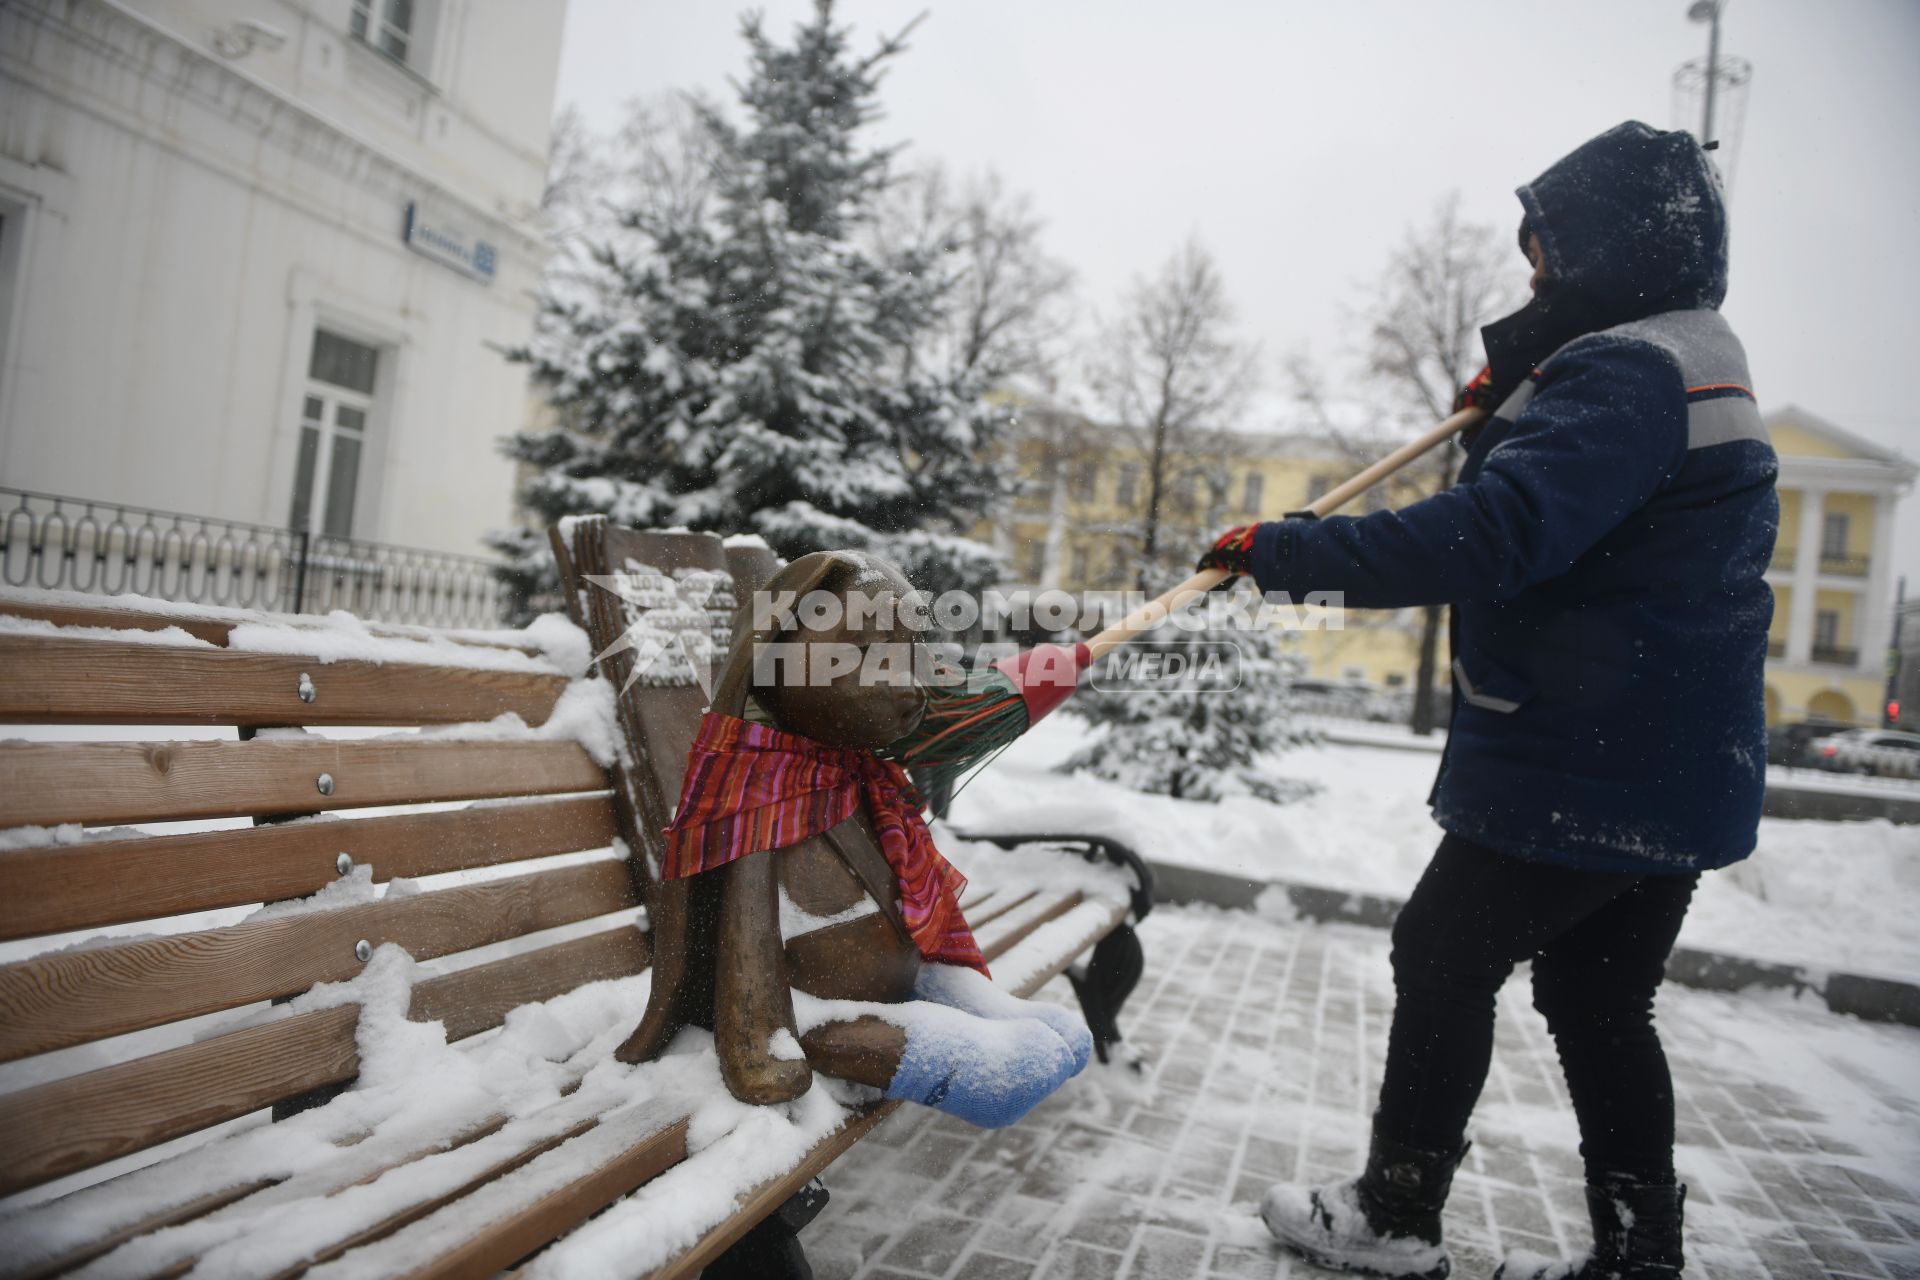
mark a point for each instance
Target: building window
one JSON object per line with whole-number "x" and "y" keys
{"x": 334, "y": 412}
{"x": 1826, "y": 629}
{"x": 1036, "y": 561}
{"x": 387, "y": 25}
{"x": 1250, "y": 495}
{"x": 1117, "y": 566}
{"x": 1124, "y": 487}
{"x": 1186, "y": 495}
{"x": 13, "y": 227}
{"x": 1080, "y": 484}
{"x": 1833, "y": 536}
{"x": 1317, "y": 485}
{"x": 1077, "y": 574}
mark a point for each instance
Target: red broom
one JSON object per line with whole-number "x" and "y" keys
{"x": 969, "y": 722}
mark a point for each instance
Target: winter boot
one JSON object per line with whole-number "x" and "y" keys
{"x": 1636, "y": 1236}
{"x": 1385, "y": 1223}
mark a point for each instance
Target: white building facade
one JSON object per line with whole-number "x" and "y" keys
{"x": 258, "y": 258}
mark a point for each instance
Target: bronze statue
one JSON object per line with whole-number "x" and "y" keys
{"x": 825, "y": 914}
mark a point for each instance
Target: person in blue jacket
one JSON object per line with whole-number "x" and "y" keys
{"x": 1603, "y": 552}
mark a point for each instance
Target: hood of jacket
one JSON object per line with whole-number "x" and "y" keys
{"x": 1633, "y": 220}
{"x": 1631, "y": 224}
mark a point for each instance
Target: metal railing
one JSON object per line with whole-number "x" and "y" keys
{"x": 110, "y": 548}
{"x": 1838, "y": 565}
{"x": 1843, "y": 566}
{"x": 1835, "y": 656}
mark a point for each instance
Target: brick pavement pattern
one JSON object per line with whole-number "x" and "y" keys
{"x": 1261, "y": 1042}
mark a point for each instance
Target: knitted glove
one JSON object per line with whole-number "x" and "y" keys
{"x": 1232, "y": 552}
{"x": 973, "y": 992}
{"x": 1477, "y": 394}
{"x": 986, "y": 1071}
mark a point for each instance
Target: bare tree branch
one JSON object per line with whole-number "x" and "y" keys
{"x": 1008, "y": 301}
{"x": 1171, "y": 375}
{"x": 1422, "y": 323}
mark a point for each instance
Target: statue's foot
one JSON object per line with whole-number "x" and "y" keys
{"x": 987, "y": 1071}
{"x": 760, "y": 1058}
{"x": 973, "y": 992}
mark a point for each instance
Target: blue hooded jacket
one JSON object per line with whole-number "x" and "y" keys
{"x": 1605, "y": 544}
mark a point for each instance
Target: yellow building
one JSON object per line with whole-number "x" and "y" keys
{"x": 1832, "y": 571}
{"x": 1075, "y": 524}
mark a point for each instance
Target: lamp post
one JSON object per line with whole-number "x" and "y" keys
{"x": 1708, "y": 11}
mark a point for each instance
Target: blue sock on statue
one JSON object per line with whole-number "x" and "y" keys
{"x": 972, "y": 992}
{"x": 986, "y": 1071}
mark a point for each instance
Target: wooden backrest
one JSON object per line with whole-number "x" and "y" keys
{"x": 112, "y": 804}
{"x": 633, "y": 590}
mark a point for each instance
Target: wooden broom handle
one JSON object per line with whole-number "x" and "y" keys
{"x": 1149, "y": 615}
{"x": 1334, "y": 499}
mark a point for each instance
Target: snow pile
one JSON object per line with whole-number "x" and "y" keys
{"x": 583, "y": 713}
{"x": 354, "y": 889}
{"x": 166, "y": 637}
{"x": 1838, "y": 895}
{"x": 41, "y": 837}
{"x": 563, "y": 648}
{"x": 343, "y": 637}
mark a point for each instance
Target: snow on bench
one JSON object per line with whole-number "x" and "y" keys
{"x": 446, "y": 828}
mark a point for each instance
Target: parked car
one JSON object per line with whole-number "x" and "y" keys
{"x": 1787, "y": 743}
{"x": 1886, "y": 753}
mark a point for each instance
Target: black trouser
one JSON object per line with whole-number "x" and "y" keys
{"x": 1598, "y": 942}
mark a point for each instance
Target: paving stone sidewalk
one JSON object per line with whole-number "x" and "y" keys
{"x": 1262, "y": 1039}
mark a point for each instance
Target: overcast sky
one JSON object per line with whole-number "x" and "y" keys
{"x": 1298, "y": 140}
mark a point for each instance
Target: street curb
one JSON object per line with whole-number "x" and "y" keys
{"x": 1869, "y": 997}
{"x": 1786, "y": 801}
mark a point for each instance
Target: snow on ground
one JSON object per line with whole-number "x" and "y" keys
{"x": 1838, "y": 895}
{"x": 1262, "y": 1043}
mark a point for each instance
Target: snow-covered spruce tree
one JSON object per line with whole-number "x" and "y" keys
{"x": 1168, "y": 728}
{"x": 746, "y": 362}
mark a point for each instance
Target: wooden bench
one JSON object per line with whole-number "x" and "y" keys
{"x": 138, "y": 1068}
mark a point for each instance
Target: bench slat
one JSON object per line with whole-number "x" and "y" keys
{"x": 99, "y": 783}
{"x": 997, "y": 905}
{"x": 52, "y": 680}
{"x": 1093, "y": 918}
{"x": 70, "y": 1259}
{"x": 1011, "y": 928}
{"x": 70, "y": 997}
{"x": 770, "y": 1195}
{"x": 57, "y": 1128}
{"x": 414, "y": 1212}
{"x": 475, "y": 1237}
{"x": 211, "y": 626}
{"x": 60, "y": 888}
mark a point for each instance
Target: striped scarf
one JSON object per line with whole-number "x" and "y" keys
{"x": 751, "y": 787}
